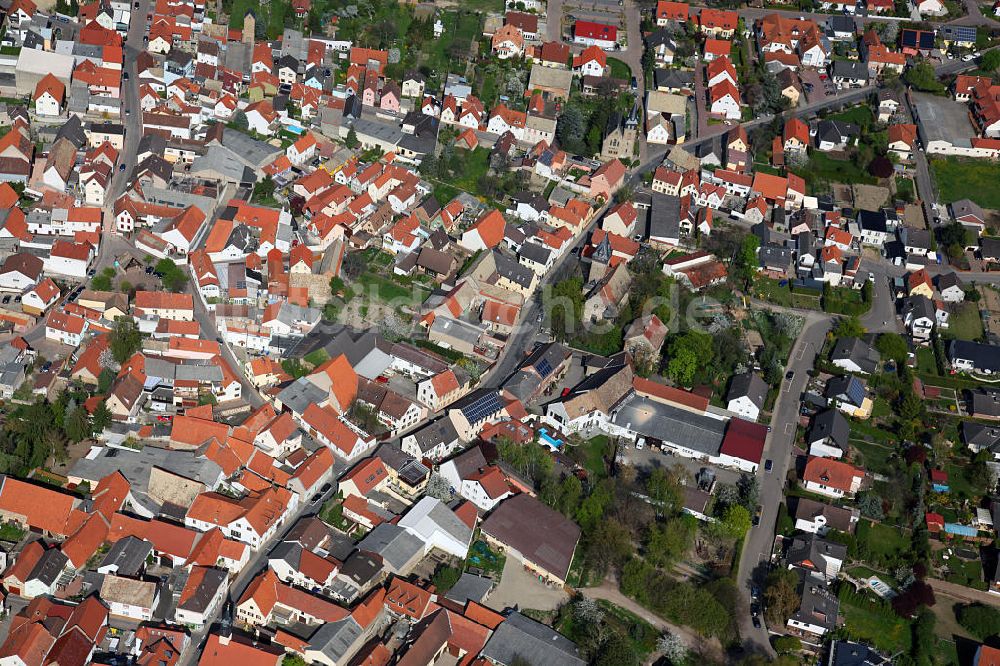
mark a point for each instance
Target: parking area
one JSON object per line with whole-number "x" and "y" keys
{"x": 518, "y": 587}
{"x": 646, "y": 459}
{"x": 813, "y": 86}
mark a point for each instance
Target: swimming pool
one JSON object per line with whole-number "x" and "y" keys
{"x": 551, "y": 441}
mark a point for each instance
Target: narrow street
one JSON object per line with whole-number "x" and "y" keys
{"x": 553, "y": 21}
{"x": 881, "y": 317}
{"x": 778, "y": 447}
{"x": 239, "y": 584}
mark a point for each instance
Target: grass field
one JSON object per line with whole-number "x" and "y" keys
{"x": 859, "y": 115}
{"x": 822, "y": 167}
{"x": 875, "y": 456}
{"x": 958, "y": 481}
{"x": 882, "y": 542}
{"x": 967, "y": 179}
{"x": 619, "y": 69}
{"x": 878, "y": 625}
{"x": 390, "y": 290}
{"x": 926, "y": 363}
{"x": 771, "y": 291}
{"x": 965, "y": 322}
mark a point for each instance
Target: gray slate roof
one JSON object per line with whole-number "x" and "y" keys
{"x": 748, "y": 384}
{"x": 830, "y": 424}
{"x": 393, "y": 544}
{"x": 863, "y": 355}
{"x": 522, "y": 638}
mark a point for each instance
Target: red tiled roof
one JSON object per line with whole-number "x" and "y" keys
{"x": 831, "y": 473}
{"x": 744, "y": 440}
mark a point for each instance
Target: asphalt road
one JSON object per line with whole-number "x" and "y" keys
{"x": 750, "y": 15}
{"x": 553, "y": 20}
{"x": 778, "y": 447}
{"x": 881, "y": 318}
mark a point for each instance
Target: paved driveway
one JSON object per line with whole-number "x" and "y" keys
{"x": 519, "y": 588}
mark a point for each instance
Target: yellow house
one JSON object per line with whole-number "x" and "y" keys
{"x": 919, "y": 283}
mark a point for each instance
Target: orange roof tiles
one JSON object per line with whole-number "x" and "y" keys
{"x": 831, "y": 473}
{"x": 51, "y": 85}
{"x": 491, "y": 228}
{"x": 325, "y": 421}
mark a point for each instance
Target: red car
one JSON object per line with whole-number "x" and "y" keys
{"x": 165, "y": 418}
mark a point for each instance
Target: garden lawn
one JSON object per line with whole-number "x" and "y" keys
{"x": 904, "y": 189}
{"x": 875, "y": 456}
{"x": 958, "y": 480}
{"x": 460, "y": 27}
{"x": 965, "y": 322}
{"x": 877, "y": 625}
{"x": 862, "y": 429}
{"x": 390, "y": 290}
{"x": 859, "y": 115}
{"x": 825, "y": 168}
{"x": 476, "y": 163}
{"x": 317, "y": 357}
{"x": 845, "y": 301}
{"x": 10, "y": 532}
{"x": 881, "y": 541}
{"x": 771, "y": 291}
{"x": 806, "y": 300}
{"x": 591, "y": 456}
{"x": 619, "y": 69}
{"x": 966, "y": 573}
{"x": 926, "y": 363}
{"x": 967, "y": 179}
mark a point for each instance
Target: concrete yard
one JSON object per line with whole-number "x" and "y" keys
{"x": 520, "y": 588}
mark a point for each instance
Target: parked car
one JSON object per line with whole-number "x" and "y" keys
{"x": 768, "y": 465}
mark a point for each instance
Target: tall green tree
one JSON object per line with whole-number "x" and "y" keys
{"x": 565, "y": 308}
{"x": 688, "y": 353}
{"x": 892, "y": 346}
{"x": 781, "y": 598}
{"x": 125, "y": 339}
{"x": 849, "y": 327}
{"x": 78, "y": 426}
{"x": 923, "y": 77}
{"x": 101, "y": 418}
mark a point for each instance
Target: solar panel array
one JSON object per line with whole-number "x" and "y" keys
{"x": 483, "y": 407}
{"x": 963, "y": 32}
{"x": 856, "y": 391}
{"x": 544, "y": 368}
